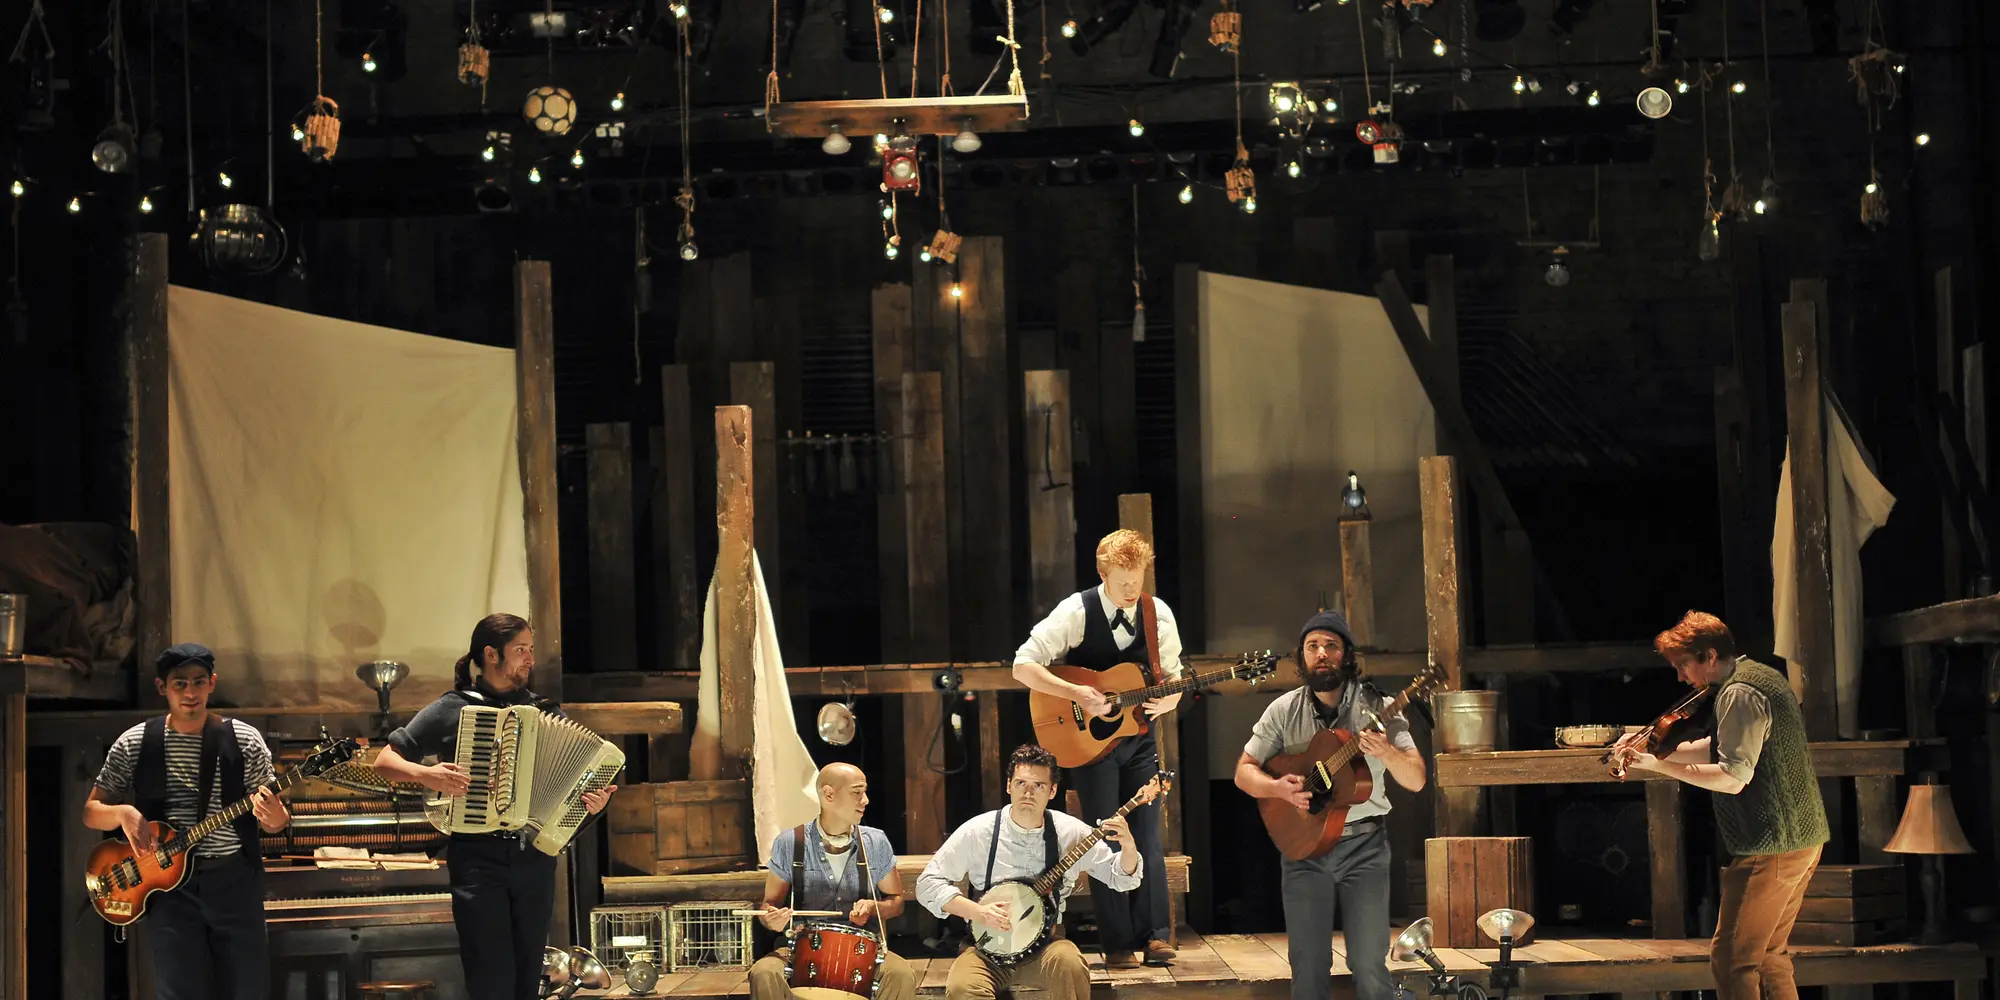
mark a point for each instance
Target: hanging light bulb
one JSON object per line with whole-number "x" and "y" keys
{"x": 76, "y": 204}
{"x": 957, "y": 290}
{"x": 226, "y": 182}
{"x": 367, "y": 62}
{"x": 1760, "y": 206}
{"x": 1592, "y": 99}
{"x": 966, "y": 141}
{"x": 1138, "y": 321}
{"x": 576, "y": 158}
{"x": 1898, "y": 67}
{"x": 145, "y": 204}
{"x": 1738, "y": 87}
{"x": 888, "y": 211}
{"x": 1437, "y": 46}
{"x": 298, "y": 134}
{"x": 1187, "y": 193}
{"x": 678, "y": 9}
{"x": 1069, "y": 29}
{"x": 618, "y": 101}
{"x": 1680, "y": 86}
{"x": 1869, "y": 189}
{"x": 1709, "y": 245}
{"x": 1520, "y": 85}
{"x": 889, "y": 250}
{"x": 17, "y": 189}
{"x": 1292, "y": 169}
{"x": 534, "y": 175}
{"x": 835, "y": 143}
{"x": 1923, "y": 138}
{"x": 1250, "y": 205}
{"x": 885, "y": 14}
{"x": 1137, "y": 128}
{"x": 924, "y": 255}
{"x": 487, "y": 154}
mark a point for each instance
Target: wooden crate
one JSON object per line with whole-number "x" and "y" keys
{"x": 680, "y": 827}
{"x": 1853, "y": 905}
{"x": 1467, "y": 876}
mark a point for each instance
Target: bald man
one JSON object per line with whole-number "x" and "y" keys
{"x": 819, "y": 866}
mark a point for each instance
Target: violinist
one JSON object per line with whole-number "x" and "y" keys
{"x": 1755, "y": 761}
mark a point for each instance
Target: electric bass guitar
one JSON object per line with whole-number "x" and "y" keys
{"x": 1336, "y": 776}
{"x": 1077, "y": 738}
{"x": 1032, "y": 903}
{"x": 119, "y": 879}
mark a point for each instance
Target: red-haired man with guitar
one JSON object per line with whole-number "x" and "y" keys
{"x": 208, "y": 937}
{"x": 1097, "y": 629}
{"x": 1352, "y": 876}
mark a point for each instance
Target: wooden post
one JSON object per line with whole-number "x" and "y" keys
{"x": 1947, "y": 383}
{"x": 891, "y": 318}
{"x": 14, "y": 740}
{"x": 983, "y": 580}
{"x": 1115, "y": 451}
{"x": 614, "y": 616}
{"x": 927, "y": 566}
{"x": 1135, "y": 511}
{"x": 1663, "y": 839}
{"x": 535, "y": 391}
{"x": 82, "y": 936}
{"x": 923, "y": 786}
{"x": 1444, "y": 606}
{"x": 1191, "y": 588}
{"x": 1812, "y": 670}
{"x": 1357, "y": 578}
{"x": 1875, "y": 818}
{"x": 145, "y": 313}
{"x": 754, "y": 384}
{"x": 992, "y": 756}
{"x": 1919, "y": 699}
{"x": 1743, "y": 599}
{"x": 735, "y": 586}
{"x": 678, "y": 590}
{"x": 1051, "y": 497}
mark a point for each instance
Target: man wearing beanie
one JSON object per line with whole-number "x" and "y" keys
{"x": 1098, "y": 629}
{"x": 208, "y": 936}
{"x": 1352, "y": 879}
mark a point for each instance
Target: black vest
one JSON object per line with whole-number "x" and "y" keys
{"x": 221, "y": 756}
{"x": 1099, "y": 648}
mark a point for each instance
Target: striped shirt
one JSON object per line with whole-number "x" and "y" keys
{"x": 184, "y": 779}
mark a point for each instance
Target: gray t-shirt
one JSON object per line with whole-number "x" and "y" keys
{"x": 1290, "y": 722}
{"x": 184, "y": 780}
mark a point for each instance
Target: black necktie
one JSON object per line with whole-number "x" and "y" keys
{"x": 1119, "y": 621}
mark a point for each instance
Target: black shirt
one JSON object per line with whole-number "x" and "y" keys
{"x": 434, "y": 730}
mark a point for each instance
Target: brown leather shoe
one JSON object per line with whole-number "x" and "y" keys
{"x": 1121, "y": 961}
{"x": 1159, "y": 952}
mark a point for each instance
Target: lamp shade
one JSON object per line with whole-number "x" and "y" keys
{"x": 1930, "y": 825}
{"x": 1412, "y": 943}
{"x": 1500, "y": 923}
{"x": 382, "y": 675}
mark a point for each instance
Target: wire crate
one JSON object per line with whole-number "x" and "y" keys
{"x": 618, "y": 931}
{"x": 705, "y": 936}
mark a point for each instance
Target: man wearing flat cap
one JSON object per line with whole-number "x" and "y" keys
{"x": 1353, "y": 878}
{"x": 208, "y": 936}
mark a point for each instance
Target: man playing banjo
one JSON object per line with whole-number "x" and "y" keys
{"x": 827, "y": 876}
{"x": 1022, "y": 841}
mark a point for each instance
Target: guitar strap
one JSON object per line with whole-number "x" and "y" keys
{"x": 1050, "y": 850}
{"x": 211, "y": 748}
{"x": 1154, "y": 669}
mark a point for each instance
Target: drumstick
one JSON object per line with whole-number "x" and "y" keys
{"x": 796, "y": 913}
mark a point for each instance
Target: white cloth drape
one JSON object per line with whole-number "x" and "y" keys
{"x": 339, "y": 493}
{"x": 782, "y": 769}
{"x": 1857, "y": 504}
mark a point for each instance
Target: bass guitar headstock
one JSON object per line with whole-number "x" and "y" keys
{"x": 329, "y": 754}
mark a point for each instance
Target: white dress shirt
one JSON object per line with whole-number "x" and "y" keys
{"x": 1019, "y": 855}
{"x": 1053, "y": 637}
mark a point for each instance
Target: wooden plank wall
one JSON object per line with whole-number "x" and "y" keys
{"x": 145, "y": 314}
{"x": 983, "y": 579}
{"x": 614, "y": 613}
{"x": 1048, "y": 490}
{"x": 1806, "y": 431}
{"x": 926, "y": 536}
{"x": 535, "y": 388}
{"x": 890, "y": 312}
{"x": 1191, "y": 614}
{"x": 677, "y": 583}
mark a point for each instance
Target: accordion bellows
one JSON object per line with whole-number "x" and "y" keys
{"x": 529, "y": 771}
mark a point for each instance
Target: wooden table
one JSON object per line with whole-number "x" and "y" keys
{"x": 1877, "y": 762}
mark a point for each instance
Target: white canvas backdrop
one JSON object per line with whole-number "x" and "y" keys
{"x": 1299, "y": 385}
{"x": 339, "y": 493}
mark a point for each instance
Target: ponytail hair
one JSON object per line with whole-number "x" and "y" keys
{"x": 495, "y": 630}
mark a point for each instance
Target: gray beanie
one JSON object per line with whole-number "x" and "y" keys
{"x": 1327, "y": 621}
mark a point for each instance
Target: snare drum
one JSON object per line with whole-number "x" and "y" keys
{"x": 834, "y": 961}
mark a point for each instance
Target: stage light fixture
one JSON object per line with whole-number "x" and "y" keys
{"x": 493, "y": 194}
{"x": 1738, "y": 87}
{"x": 678, "y": 10}
{"x": 1178, "y": 18}
{"x": 1284, "y": 97}
{"x": 888, "y": 211}
{"x": 1353, "y": 499}
{"x": 1138, "y": 129}
{"x": 835, "y": 143}
{"x": 618, "y": 101}
{"x": 114, "y": 150}
{"x": 239, "y": 238}
{"x": 1923, "y": 138}
{"x": 225, "y": 180}
{"x": 145, "y": 205}
{"x": 966, "y": 141}
{"x": 1109, "y": 18}
{"x": 17, "y": 189}
{"x": 1437, "y": 47}
{"x": 899, "y": 165}
{"x": 75, "y": 205}
{"x": 487, "y": 154}
{"x": 1187, "y": 194}
{"x": 1386, "y": 137}
{"x": 534, "y": 175}
{"x": 1654, "y": 102}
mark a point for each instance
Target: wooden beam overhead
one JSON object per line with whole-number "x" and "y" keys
{"x": 1973, "y": 620}
{"x": 861, "y": 121}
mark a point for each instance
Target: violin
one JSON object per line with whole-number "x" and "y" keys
{"x": 1686, "y": 718}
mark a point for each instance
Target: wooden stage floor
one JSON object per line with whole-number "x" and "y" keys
{"x": 1254, "y": 965}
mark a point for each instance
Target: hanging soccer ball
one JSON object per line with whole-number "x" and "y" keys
{"x": 550, "y": 109}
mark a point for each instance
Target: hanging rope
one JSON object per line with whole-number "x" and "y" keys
{"x": 34, "y": 24}
{"x": 771, "y": 79}
{"x": 944, "y": 49}
{"x": 881, "y": 67}
{"x": 1735, "y": 200}
{"x": 1367, "y": 87}
{"x": 917, "y": 49}
{"x": 685, "y": 199}
{"x": 1014, "y": 84}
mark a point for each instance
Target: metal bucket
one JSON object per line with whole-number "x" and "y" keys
{"x": 1467, "y": 721}
{"x": 13, "y": 623}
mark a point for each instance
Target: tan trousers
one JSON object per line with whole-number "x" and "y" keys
{"x": 1761, "y": 896}
{"x": 1059, "y": 972}
{"x": 895, "y": 979}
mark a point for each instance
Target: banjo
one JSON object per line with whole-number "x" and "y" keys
{"x": 1032, "y": 903}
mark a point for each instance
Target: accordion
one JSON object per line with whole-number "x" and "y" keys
{"x": 529, "y": 771}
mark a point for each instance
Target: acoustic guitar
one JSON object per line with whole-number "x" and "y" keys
{"x": 1032, "y": 903}
{"x": 1077, "y": 738}
{"x": 1337, "y": 777}
{"x": 119, "y": 879}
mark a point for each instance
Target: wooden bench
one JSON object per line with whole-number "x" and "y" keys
{"x": 665, "y": 889}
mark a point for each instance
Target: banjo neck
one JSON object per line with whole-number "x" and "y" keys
{"x": 1049, "y": 882}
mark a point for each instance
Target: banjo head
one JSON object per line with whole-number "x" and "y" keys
{"x": 1031, "y": 918}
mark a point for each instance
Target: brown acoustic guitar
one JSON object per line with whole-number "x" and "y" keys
{"x": 1077, "y": 738}
{"x": 1337, "y": 777}
{"x": 119, "y": 879}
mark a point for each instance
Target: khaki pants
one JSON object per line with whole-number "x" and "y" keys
{"x": 1059, "y": 972}
{"x": 1761, "y": 896}
{"x": 895, "y": 979}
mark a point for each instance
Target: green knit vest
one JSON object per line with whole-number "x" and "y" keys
{"x": 1780, "y": 809}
